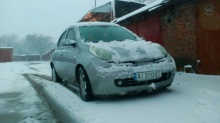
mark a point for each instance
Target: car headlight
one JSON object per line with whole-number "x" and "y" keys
{"x": 100, "y": 53}
{"x": 161, "y": 48}
{"x": 170, "y": 59}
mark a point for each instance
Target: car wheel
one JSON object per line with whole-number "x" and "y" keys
{"x": 55, "y": 77}
{"x": 84, "y": 85}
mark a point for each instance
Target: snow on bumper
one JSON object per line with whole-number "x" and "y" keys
{"x": 110, "y": 78}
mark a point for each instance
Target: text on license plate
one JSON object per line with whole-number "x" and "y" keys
{"x": 147, "y": 75}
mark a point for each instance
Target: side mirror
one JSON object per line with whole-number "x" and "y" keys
{"x": 142, "y": 38}
{"x": 69, "y": 42}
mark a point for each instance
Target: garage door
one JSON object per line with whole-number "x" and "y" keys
{"x": 148, "y": 28}
{"x": 208, "y": 36}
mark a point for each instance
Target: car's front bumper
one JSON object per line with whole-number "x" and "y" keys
{"x": 109, "y": 79}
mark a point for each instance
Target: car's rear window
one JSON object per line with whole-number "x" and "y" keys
{"x": 105, "y": 33}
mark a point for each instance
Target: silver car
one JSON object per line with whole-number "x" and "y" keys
{"x": 106, "y": 59}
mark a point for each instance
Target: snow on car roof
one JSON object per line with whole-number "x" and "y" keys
{"x": 80, "y": 24}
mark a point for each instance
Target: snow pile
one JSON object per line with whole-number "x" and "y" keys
{"x": 128, "y": 50}
{"x": 132, "y": 51}
{"x": 127, "y": 71}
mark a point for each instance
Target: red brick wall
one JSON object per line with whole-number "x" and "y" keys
{"x": 179, "y": 34}
{"x": 6, "y": 54}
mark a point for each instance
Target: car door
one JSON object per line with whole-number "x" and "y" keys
{"x": 69, "y": 54}
{"x": 58, "y": 56}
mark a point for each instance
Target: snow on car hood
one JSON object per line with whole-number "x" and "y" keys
{"x": 128, "y": 50}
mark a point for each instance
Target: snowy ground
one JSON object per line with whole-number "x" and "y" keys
{"x": 191, "y": 99}
{"x": 18, "y": 100}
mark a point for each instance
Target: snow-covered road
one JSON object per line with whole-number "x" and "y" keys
{"x": 191, "y": 99}
{"x": 19, "y": 102}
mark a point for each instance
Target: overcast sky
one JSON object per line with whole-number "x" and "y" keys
{"x": 48, "y": 17}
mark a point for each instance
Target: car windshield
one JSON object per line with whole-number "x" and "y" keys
{"x": 105, "y": 33}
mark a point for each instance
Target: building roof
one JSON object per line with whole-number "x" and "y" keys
{"x": 106, "y": 8}
{"x": 111, "y": 10}
{"x": 101, "y": 13}
{"x": 6, "y": 47}
{"x": 149, "y": 7}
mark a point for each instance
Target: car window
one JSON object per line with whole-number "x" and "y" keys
{"x": 71, "y": 34}
{"x": 61, "y": 38}
{"x": 105, "y": 33}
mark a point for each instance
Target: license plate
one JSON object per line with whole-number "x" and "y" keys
{"x": 147, "y": 75}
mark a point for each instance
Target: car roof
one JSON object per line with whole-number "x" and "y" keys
{"x": 80, "y": 24}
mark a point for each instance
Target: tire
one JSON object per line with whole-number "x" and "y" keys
{"x": 55, "y": 77}
{"x": 84, "y": 85}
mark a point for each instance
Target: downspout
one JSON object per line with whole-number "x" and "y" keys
{"x": 112, "y": 10}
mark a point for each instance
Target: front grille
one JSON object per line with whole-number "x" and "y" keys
{"x": 132, "y": 82}
{"x": 135, "y": 63}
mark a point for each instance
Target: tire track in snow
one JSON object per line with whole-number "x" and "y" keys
{"x": 58, "y": 112}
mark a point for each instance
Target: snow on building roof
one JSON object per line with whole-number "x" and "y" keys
{"x": 6, "y": 47}
{"x": 125, "y": 7}
{"x": 151, "y": 6}
{"x": 102, "y": 13}
{"x": 111, "y": 10}
{"x": 104, "y": 8}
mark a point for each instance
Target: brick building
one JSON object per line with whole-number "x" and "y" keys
{"x": 34, "y": 57}
{"x": 6, "y": 54}
{"x": 179, "y": 34}
{"x": 188, "y": 29}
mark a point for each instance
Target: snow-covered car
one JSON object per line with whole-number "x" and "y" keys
{"x": 105, "y": 59}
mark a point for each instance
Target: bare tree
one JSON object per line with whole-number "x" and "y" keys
{"x": 39, "y": 44}
{"x": 12, "y": 40}
{"x": 32, "y": 44}
{"x": 8, "y": 40}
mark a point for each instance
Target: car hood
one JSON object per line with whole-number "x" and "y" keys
{"x": 131, "y": 51}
